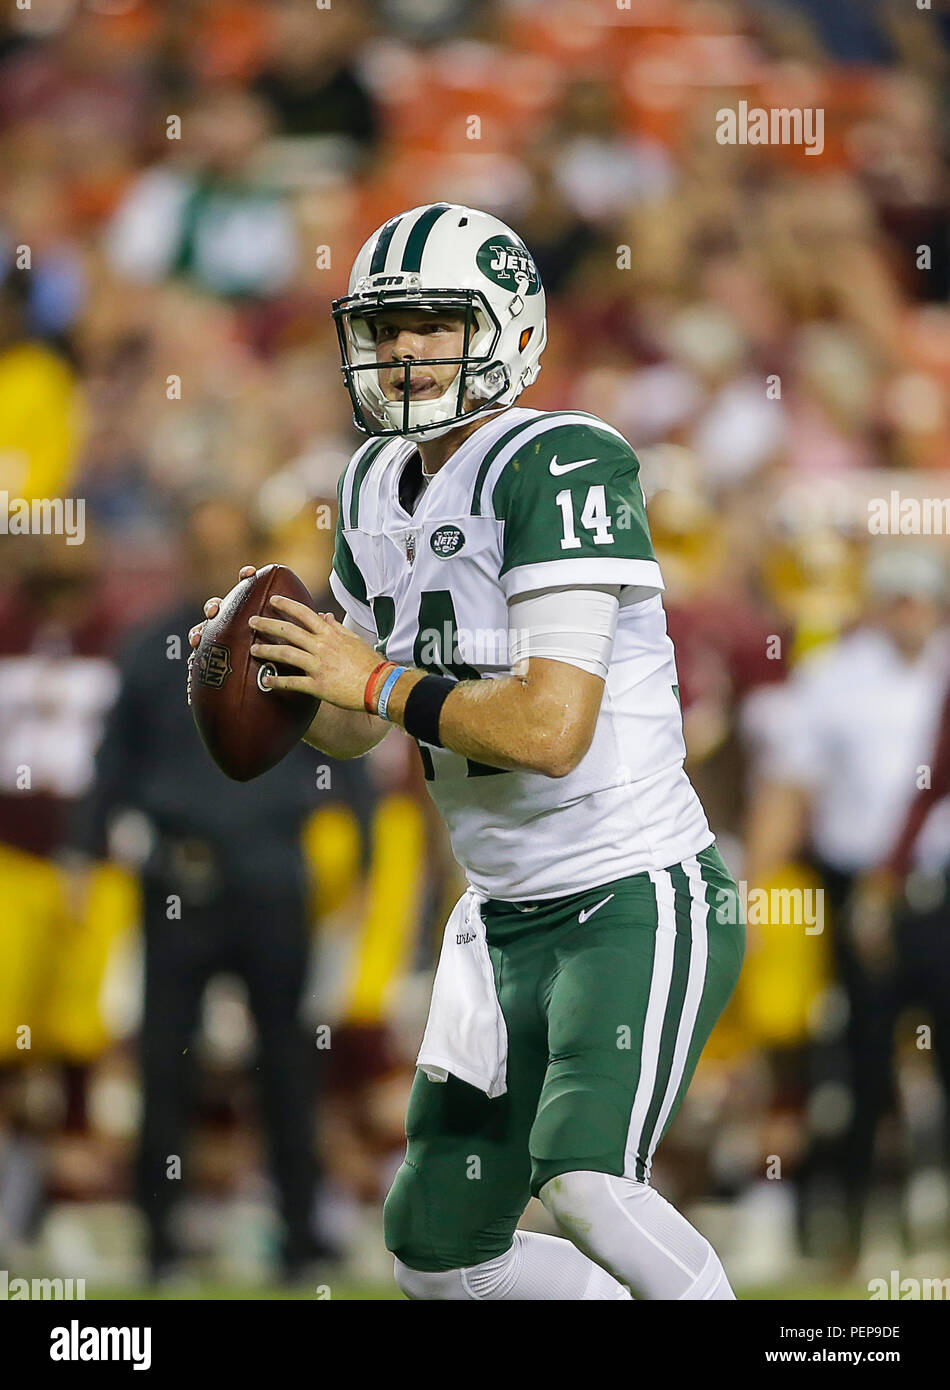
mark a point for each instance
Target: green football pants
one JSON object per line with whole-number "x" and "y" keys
{"x": 609, "y": 996}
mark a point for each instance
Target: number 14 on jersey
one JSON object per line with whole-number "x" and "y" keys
{"x": 594, "y": 517}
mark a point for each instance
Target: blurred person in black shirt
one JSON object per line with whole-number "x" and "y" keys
{"x": 225, "y": 890}
{"x": 310, "y": 79}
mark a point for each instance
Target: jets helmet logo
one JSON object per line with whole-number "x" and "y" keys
{"x": 503, "y": 261}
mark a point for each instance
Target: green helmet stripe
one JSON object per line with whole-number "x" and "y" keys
{"x": 412, "y": 256}
{"x": 378, "y": 263}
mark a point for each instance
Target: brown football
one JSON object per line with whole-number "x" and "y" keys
{"x": 245, "y": 727}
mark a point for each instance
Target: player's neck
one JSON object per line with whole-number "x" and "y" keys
{"x": 435, "y": 453}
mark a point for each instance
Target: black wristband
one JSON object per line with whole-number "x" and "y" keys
{"x": 423, "y": 707}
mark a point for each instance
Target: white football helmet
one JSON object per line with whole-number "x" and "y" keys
{"x": 444, "y": 257}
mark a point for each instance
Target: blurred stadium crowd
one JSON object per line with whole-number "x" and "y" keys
{"x": 184, "y": 186}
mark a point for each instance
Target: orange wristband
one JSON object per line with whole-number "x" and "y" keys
{"x": 373, "y": 682}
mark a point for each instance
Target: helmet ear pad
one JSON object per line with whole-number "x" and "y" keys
{"x": 484, "y": 382}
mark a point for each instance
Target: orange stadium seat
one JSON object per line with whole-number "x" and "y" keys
{"x": 409, "y": 177}
{"x": 564, "y": 35}
{"x": 578, "y": 33}
{"x": 845, "y": 96}
{"x": 925, "y": 341}
{"x": 128, "y": 29}
{"x": 510, "y": 94}
{"x": 665, "y": 75}
{"x": 230, "y": 41}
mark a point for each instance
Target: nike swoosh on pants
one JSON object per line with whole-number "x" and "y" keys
{"x": 586, "y": 912}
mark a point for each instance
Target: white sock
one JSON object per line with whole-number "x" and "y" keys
{"x": 637, "y": 1235}
{"x": 535, "y": 1267}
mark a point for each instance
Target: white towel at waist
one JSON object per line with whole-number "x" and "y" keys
{"x": 465, "y": 1032}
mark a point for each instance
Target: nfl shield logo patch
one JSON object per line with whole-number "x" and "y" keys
{"x": 214, "y": 666}
{"x": 411, "y": 547}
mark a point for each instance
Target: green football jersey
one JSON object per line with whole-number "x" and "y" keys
{"x": 534, "y": 500}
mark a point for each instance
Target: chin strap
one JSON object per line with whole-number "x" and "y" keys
{"x": 456, "y": 424}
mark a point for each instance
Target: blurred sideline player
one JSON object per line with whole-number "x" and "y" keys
{"x": 848, "y": 736}
{"x": 224, "y": 889}
{"x": 56, "y": 682}
{"x": 499, "y": 559}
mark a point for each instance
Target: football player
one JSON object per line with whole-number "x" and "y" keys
{"x": 503, "y": 606}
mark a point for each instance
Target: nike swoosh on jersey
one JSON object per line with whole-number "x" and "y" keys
{"x": 589, "y": 911}
{"x": 558, "y": 468}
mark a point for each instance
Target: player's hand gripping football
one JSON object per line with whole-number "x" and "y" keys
{"x": 213, "y": 604}
{"x": 210, "y": 611}
{"x": 334, "y": 663}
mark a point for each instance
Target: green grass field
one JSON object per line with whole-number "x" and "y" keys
{"x": 344, "y": 1293}
{"x": 355, "y": 1293}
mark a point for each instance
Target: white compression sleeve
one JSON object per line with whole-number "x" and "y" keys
{"x": 633, "y": 1232}
{"x": 535, "y": 1267}
{"x": 576, "y": 625}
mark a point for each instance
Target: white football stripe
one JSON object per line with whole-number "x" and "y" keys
{"x": 699, "y": 953}
{"x": 660, "y": 981}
